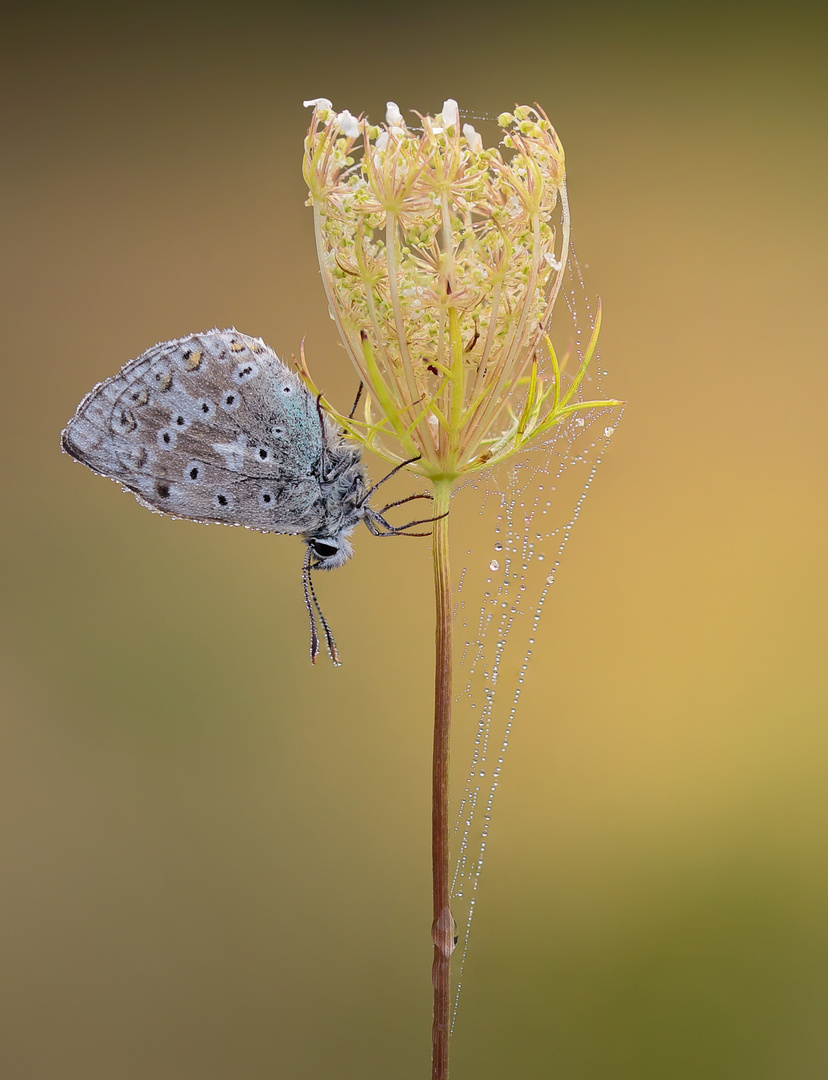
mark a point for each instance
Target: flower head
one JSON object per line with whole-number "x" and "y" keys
{"x": 442, "y": 260}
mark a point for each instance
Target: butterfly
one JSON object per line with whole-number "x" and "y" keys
{"x": 214, "y": 428}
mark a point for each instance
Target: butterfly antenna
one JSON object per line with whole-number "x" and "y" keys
{"x": 356, "y": 401}
{"x": 307, "y": 589}
{"x": 388, "y": 476}
{"x": 323, "y": 472}
{"x": 329, "y": 638}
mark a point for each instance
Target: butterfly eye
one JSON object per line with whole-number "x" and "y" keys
{"x": 324, "y": 549}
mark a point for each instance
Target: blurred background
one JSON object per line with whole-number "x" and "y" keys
{"x": 215, "y": 857}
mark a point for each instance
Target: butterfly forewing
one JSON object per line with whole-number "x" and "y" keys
{"x": 211, "y": 427}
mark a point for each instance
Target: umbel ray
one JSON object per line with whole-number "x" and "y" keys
{"x": 214, "y": 428}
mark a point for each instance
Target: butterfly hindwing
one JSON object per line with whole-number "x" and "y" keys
{"x": 211, "y": 427}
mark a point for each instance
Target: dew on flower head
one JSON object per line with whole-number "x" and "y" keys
{"x": 498, "y": 215}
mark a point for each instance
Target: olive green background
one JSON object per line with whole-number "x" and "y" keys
{"x": 214, "y": 857}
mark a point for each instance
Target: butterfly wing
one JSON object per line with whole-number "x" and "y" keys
{"x": 211, "y": 427}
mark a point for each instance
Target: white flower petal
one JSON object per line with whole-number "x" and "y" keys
{"x": 348, "y": 124}
{"x": 321, "y": 102}
{"x": 393, "y": 116}
{"x": 450, "y": 112}
{"x": 473, "y": 138}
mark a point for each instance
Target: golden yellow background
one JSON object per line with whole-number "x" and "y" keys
{"x": 214, "y": 857}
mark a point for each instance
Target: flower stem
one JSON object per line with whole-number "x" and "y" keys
{"x": 442, "y": 930}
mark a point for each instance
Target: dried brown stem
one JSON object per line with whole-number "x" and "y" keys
{"x": 442, "y": 930}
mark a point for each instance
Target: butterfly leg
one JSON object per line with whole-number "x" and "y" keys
{"x": 399, "y": 502}
{"x": 378, "y": 526}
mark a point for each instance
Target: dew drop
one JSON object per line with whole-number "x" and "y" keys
{"x": 494, "y": 565}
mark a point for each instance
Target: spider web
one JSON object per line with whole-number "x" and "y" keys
{"x": 512, "y": 552}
